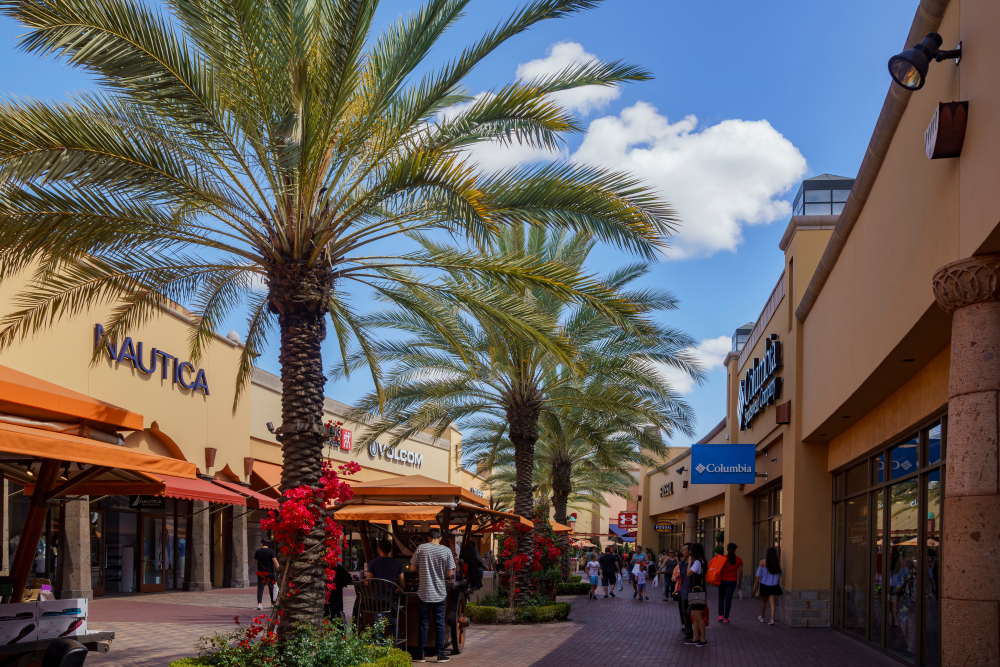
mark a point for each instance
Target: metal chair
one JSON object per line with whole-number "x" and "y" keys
{"x": 377, "y": 599}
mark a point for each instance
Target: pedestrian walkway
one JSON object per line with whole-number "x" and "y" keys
{"x": 154, "y": 629}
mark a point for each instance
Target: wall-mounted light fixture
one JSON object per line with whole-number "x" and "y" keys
{"x": 909, "y": 68}
{"x": 680, "y": 471}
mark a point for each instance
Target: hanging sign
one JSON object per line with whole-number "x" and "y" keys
{"x": 346, "y": 439}
{"x": 628, "y": 519}
{"x": 131, "y": 353}
{"x": 723, "y": 464}
{"x": 760, "y": 387}
{"x": 667, "y": 527}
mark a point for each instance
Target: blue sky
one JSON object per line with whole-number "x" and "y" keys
{"x": 780, "y": 90}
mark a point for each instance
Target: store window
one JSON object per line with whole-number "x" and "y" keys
{"x": 887, "y": 520}
{"x": 711, "y": 534}
{"x": 767, "y": 522}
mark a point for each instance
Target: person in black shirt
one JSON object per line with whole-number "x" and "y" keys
{"x": 385, "y": 566}
{"x": 341, "y": 580}
{"x": 267, "y": 568}
{"x": 609, "y": 569}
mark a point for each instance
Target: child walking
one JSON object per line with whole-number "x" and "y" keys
{"x": 594, "y": 572}
{"x": 640, "y": 580}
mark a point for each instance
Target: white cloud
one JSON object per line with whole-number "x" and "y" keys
{"x": 710, "y": 353}
{"x": 717, "y": 178}
{"x": 568, "y": 54}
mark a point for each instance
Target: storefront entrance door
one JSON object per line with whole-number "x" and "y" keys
{"x": 153, "y": 564}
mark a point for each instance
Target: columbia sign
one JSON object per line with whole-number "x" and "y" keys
{"x": 723, "y": 464}
{"x": 760, "y": 388}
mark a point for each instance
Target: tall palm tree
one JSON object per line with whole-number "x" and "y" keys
{"x": 280, "y": 142}
{"x": 485, "y": 369}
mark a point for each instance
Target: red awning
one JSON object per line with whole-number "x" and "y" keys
{"x": 199, "y": 489}
{"x": 255, "y": 501}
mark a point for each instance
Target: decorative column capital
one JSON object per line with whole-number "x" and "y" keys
{"x": 968, "y": 281}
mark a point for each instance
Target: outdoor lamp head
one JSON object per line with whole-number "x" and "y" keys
{"x": 909, "y": 68}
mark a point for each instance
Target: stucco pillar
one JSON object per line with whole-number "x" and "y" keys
{"x": 970, "y": 603}
{"x": 199, "y": 549}
{"x": 239, "y": 551}
{"x": 691, "y": 524}
{"x": 74, "y": 551}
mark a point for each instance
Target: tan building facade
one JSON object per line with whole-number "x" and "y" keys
{"x": 881, "y": 452}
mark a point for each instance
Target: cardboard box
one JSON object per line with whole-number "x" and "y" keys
{"x": 18, "y": 623}
{"x": 61, "y": 618}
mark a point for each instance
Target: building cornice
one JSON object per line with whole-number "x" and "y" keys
{"x": 806, "y": 222}
{"x": 927, "y": 19}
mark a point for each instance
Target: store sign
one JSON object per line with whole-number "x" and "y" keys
{"x": 147, "y": 502}
{"x": 667, "y": 490}
{"x": 478, "y": 492}
{"x": 132, "y": 353}
{"x": 346, "y": 439}
{"x": 760, "y": 387}
{"x": 723, "y": 464}
{"x": 667, "y": 527}
{"x": 394, "y": 454}
{"x": 628, "y": 519}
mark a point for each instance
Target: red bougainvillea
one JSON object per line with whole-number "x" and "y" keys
{"x": 544, "y": 562}
{"x": 301, "y": 508}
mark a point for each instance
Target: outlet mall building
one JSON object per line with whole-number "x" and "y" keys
{"x": 877, "y": 433}
{"x": 188, "y": 533}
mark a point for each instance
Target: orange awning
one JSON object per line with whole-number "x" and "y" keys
{"x": 29, "y": 392}
{"x": 255, "y": 501}
{"x": 415, "y": 487}
{"x": 388, "y": 513}
{"x": 199, "y": 489}
{"x": 36, "y": 443}
{"x": 560, "y": 528}
{"x": 266, "y": 478}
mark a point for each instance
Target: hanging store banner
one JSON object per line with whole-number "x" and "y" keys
{"x": 723, "y": 464}
{"x": 760, "y": 386}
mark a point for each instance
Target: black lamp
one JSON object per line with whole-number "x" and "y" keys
{"x": 909, "y": 68}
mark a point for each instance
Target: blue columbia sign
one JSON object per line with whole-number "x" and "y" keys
{"x": 723, "y": 464}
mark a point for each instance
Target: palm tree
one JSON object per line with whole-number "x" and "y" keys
{"x": 234, "y": 144}
{"x": 483, "y": 369}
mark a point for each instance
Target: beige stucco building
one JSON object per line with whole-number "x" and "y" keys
{"x": 881, "y": 452}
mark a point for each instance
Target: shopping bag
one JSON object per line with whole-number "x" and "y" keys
{"x": 619, "y": 584}
{"x": 654, "y": 582}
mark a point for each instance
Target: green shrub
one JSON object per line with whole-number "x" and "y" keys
{"x": 562, "y": 610}
{"x": 486, "y": 615}
{"x": 578, "y": 588}
{"x": 394, "y": 658}
{"x": 575, "y": 578}
{"x": 188, "y": 662}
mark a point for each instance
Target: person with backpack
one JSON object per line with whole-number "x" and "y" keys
{"x": 768, "y": 574}
{"x": 731, "y": 575}
{"x": 697, "y": 596}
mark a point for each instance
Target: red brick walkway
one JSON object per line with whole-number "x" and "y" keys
{"x": 152, "y": 630}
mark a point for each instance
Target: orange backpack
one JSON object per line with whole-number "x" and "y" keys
{"x": 714, "y": 576}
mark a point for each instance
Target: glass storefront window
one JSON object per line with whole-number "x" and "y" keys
{"x": 838, "y": 486}
{"x": 934, "y": 445}
{"x": 932, "y": 595}
{"x": 857, "y": 478}
{"x": 904, "y": 458}
{"x": 856, "y": 568}
{"x": 886, "y": 566}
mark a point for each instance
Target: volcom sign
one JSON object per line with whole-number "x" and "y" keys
{"x": 723, "y": 464}
{"x": 394, "y": 454}
{"x": 760, "y": 388}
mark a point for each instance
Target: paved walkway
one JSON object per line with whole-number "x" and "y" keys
{"x": 154, "y": 629}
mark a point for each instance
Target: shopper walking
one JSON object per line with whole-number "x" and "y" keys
{"x": 640, "y": 579}
{"x": 683, "y": 587}
{"x": 667, "y": 574}
{"x": 435, "y": 564}
{"x": 610, "y": 567}
{"x": 639, "y": 556}
{"x": 732, "y": 575}
{"x": 768, "y": 574}
{"x": 697, "y": 595}
{"x": 267, "y": 568}
{"x": 594, "y": 572}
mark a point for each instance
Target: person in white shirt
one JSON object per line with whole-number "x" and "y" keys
{"x": 640, "y": 580}
{"x": 594, "y": 572}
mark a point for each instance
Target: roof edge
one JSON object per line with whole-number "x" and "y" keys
{"x": 806, "y": 222}
{"x": 927, "y": 19}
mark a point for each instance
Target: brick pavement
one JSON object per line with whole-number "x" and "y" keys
{"x": 621, "y": 630}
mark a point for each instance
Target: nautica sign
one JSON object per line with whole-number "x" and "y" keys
{"x": 760, "y": 388}
{"x": 131, "y": 352}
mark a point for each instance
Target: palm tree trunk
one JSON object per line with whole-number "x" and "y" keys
{"x": 302, "y": 311}
{"x": 523, "y": 423}
{"x": 561, "y": 487}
